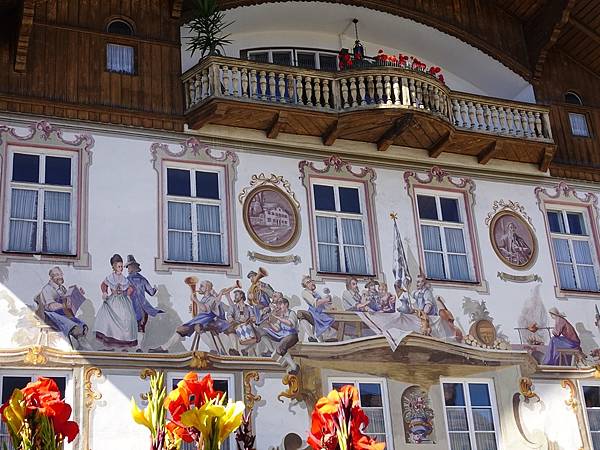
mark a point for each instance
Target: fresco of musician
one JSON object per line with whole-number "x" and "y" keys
{"x": 57, "y": 306}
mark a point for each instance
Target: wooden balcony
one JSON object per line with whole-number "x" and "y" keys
{"x": 380, "y": 105}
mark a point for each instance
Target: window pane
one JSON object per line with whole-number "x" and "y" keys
{"x": 282, "y": 58}
{"x": 349, "y": 200}
{"x": 587, "y": 278}
{"x": 434, "y": 265}
{"x": 356, "y": 261}
{"x": 207, "y": 185}
{"x": 591, "y": 394}
{"x": 449, "y": 207}
{"x": 485, "y": 441}
{"x": 455, "y": 240}
{"x": 454, "y": 394}
{"x": 329, "y": 258}
{"x": 578, "y": 124}
{"x": 324, "y": 198}
{"x": 576, "y": 224}
{"x": 561, "y": 250}
{"x": 555, "y": 220}
{"x": 178, "y": 182}
{"x": 9, "y": 384}
{"x": 209, "y": 218}
{"x": 23, "y": 204}
{"x": 209, "y": 248}
{"x": 327, "y": 230}
{"x": 58, "y": 171}
{"x": 26, "y": 168}
{"x": 583, "y": 254}
{"x": 457, "y": 419}
{"x": 259, "y": 57}
{"x": 459, "y": 268}
{"x": 460, "y": 441}
{"x": 22, "y": 236}
{"x": 328, "y": 62}
{"x": 180, "y": 246}
{"x": 483, "y": 419}
{"x": 566, "y": 276}
{"x": 594, "y": 419}
{"x": 376, "y": 421}
{"x": 596, "y": 440}
{"x": 306, "y": 59}
{"x": 479, "y": 394}
{"x": 370, "y": 395}
{"x": 57, "y": 206}
{"x": 427, "y": 208}
{"x": 180, "y": 216}
{"x": 120, "y": 58}
{"x": 352, "y": 231}
{"x": 56, "y": 238}
{"x": 431, "y": 238}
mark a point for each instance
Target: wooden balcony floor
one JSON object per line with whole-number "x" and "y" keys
{"x": 382, "y": 126}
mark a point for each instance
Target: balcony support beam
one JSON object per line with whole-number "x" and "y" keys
{"x": 547, "y": 158}
{"x": 489, "y": 152}
{"x": 25, "y": 28}
{"x": 213, "y": 112}
{"x": 399, "y": 127}
{"x": 332, "y": 133}
{"x": 442, "y": 143}
{"x": 280, "y": 119}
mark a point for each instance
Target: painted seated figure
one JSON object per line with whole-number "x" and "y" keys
{"x": 564, "y": 337}
{"x": 57, "y": 306}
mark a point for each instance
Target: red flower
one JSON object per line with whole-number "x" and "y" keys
{"x": 179, "y": 431}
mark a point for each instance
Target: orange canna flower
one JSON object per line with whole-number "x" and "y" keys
{"x": 181, "y": 432}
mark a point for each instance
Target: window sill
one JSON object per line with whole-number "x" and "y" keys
{"x": 479, "y": 286}
{"x": 80, "y": 261}
{"x": 319, "y": 276}
{"x": 133, "y": 74}
{"x": 167, "y": 266}
{"x": 566, "y": 293}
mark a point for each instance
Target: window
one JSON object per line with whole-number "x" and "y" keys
{"x": 18, "y": 380}
{"x": 120, "y": 58}
{"x": 195, "y": 215}
{"x": 574, "y": 253}
{"x": 307, "y": 58}
{"x": 374, "y": 402}
{"x": 591, "y": 396}
{"x": 41, "y": 203}
{"x": 340, "y": 228}
{"x": 223, "y": 383}
{"x": 471, "y": 416}
{"x": 444, "y": 237}
{"x": 573, "y": 98}
{"x": 579, "y": 125}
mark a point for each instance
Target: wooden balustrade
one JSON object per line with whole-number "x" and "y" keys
{"x": 368, "y": 88}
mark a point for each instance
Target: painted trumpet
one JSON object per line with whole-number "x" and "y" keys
{"x": 227, "y": 290}
{"x": 192, "y": 282}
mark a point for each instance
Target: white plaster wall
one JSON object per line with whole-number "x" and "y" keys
{"x": 328, "y": 26}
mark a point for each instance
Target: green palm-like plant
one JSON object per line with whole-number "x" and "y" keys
{"x": 207, "y": 26}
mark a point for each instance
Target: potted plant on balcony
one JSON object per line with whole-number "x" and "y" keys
{"x": 207, "y": 27}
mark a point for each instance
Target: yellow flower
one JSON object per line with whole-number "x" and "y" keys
{"x": 201, "y": 418}
{"x": 15, "y": 410}
{"x": 231, "y": 420}
{"x": 142, "y": 416}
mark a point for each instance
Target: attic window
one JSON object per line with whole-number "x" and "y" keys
{"x": 573, "y": 98}
{"x": 118, "y": 26}
{"x": 120, "y": 58}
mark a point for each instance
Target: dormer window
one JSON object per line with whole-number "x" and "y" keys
{"x": 120, "y": 58}
{"x": 572, "y": 98}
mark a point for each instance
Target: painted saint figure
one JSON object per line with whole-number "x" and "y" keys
{"x": 141, "y": 305}
{"x": 322, "y": 323}
{"x": 116, "y": 325}
{"x": 423, "y": 296}
{"x": 209, "y": 316}
{"x": 513, "y": 247}
{"x": 58, "y": 305}
{"x": 564, "y": 337}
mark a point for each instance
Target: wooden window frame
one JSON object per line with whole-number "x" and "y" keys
{"x": 586, "y": 116}
{"x": 439, "y": 182}
{"x": 43, "y": 137}
{"x": 469, "y": 408}
{"x": 337, "y": 171}
{"x": 564, "y": 197}
{"x": 194, "y": 155}
{"x": 586, "y": 420}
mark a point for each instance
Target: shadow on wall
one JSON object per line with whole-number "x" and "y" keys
{"x": 588, "y": 343}
{"x": 162, "y": 327}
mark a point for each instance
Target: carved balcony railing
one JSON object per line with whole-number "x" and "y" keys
{"x": 368, "y": 88}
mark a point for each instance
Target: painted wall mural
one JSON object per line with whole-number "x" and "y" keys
{"x": 513, "y": 240}
{"x": 417, "y": 415}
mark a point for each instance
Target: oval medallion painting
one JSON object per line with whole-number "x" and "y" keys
{"x": 513, "y": 240}
{"x": 271, "y": 218}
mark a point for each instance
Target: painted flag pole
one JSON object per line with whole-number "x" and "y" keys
{"x": 400, "y": 268}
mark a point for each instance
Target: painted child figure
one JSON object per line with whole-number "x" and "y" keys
{"x": 141, "y": 305}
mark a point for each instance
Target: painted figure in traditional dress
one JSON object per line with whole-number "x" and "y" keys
{"x": 423, "y": 296}
{"x": 351, "y": 296}
{"x": 564, "y": 337}
{"x": 141, "y": 305}
{"x": 241, "y": 320}
{"x": 322, "y": 323}
{"x": 259, "y": 294}
{"x": 209, "y": 316}
{"x": 284, "y": 330}
{"x": 58, "y": 305}
{"x": 372, "y": 297}
{"x": 116, "y": 325}
{"x": 387, "y": 300}
{"x": 403, "y": 297}
{"x": 513, "y": 247}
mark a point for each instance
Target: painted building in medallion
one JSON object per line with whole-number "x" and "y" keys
{"x": 401, "y": 196}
